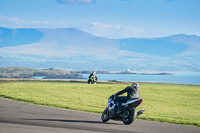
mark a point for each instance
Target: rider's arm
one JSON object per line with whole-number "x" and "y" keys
{"x": 122, "y": 91}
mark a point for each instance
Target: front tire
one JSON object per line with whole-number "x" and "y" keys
{"x": 105, "y": 115}
{"x": 129, "y": 116}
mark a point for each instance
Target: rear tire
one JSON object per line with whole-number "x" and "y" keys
{"x": 105, "y": 115}
{"x": 129, "y": 116}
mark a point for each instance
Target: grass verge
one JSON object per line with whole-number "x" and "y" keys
{"x": 170, "y": 103}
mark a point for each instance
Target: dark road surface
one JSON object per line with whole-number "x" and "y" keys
{"x": 19, "y": 117}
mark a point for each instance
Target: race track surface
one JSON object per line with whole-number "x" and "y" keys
{"x": 19, "y": 117}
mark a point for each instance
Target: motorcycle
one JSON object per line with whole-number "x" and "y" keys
{"x": 92, "y": 80}
{"x": 127, "y": 114}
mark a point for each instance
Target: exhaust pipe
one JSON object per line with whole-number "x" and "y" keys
{"x": 140, "y": 112}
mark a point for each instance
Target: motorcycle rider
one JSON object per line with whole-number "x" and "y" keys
{"x": 93, "y": 76}
{"x": 132, "y": 92}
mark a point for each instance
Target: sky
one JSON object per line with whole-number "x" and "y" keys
{"x": 114, "y": 19}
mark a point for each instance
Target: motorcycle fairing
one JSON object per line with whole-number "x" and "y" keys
{"x": 134, "y": 102}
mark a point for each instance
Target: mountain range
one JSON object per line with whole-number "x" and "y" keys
{"x": 73, "y": 49}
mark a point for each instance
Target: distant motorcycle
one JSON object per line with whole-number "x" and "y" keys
{"x": 128, "y": 113}
{"x": 92, "y": 80}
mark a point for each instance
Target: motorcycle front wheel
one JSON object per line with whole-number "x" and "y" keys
{"x": 105, "y": 115}
{"x": 129, "y": 116}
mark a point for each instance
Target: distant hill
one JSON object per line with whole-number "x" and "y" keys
{"x": 72, "y": 48}
{"x": 50, "y": 73}
{"x": 165, "y": 46}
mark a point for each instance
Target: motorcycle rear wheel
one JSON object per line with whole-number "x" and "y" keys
{"x": 129, "y": 116}
{"x": 105, "y": 115}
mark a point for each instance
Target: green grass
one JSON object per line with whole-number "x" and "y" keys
{"x": 163, "y": 102}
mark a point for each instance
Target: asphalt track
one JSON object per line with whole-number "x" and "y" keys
{"x": 19, "y": 117}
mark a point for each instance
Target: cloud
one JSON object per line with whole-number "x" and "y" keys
{"x": 14, "y": 22}
{"x": 95, "y": 28}
{"x": 75, "y": 1}
{"x": 5, "y": 19}
{"x": 117, "y": 31}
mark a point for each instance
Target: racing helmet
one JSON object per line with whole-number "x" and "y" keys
{"x": 135, "y": 85}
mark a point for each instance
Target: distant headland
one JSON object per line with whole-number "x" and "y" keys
{"x": 52, "y": 73}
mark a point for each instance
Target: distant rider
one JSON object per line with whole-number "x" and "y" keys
{"x": 132, "y": 92}
{"x": 93, "y": 76}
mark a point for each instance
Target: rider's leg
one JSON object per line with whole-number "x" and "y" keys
{"x": 119, "y": 101}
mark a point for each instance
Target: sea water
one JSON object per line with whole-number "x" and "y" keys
{"x": 175, "y": 78}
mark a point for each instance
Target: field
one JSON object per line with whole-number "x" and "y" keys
{"x": 162, "y": 102}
